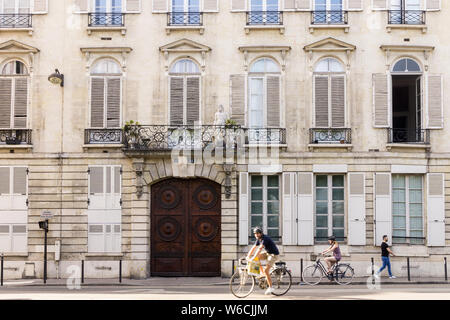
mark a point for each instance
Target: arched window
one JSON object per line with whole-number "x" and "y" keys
{"x": 106, "y": 94}
{"x": 14, "y": 80}
{"x": 264, "y": 65}
{"x": 184, "y": 66}
{"x": 329, "y": 94}
{"x": 406, "y": 65}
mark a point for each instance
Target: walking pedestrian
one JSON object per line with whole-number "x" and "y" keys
{"x": 385, "y": 252}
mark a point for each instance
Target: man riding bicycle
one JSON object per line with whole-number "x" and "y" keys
{"x": 265, "y": 250}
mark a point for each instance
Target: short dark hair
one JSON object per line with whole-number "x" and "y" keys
{"x": 385, "y": 236}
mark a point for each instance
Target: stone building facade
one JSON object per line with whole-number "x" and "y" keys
{"x": 333, "y": 122}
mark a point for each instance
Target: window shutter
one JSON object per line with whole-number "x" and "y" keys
{"x": 81, "y": 6}
{"x": 40, "y": 6}
{"x": 380, "y": 4}
{"x": 321, "y": 100}
{"x": 305, "y": 211}
{"x": 97, "y": 102}
{"x": 176, "y": 100}
{"x": 97, "y": 188}
{"x": 20, "y": 180}
{"x": 436, "y": 209}
{"x": 289, "y": 206}
{"x": 160, "y": 6}
{"x": 116, "y": 238}
{"x": 96, "y": 242}
{"x": 19, "y": 238}
{"x": 243, "y": 208}
{"x": 238, "y": 5}
{"x": 380, "y": 85}
{"x": 113, "y": 187}
{"x": 433, "y": 5}
{"x": 356, "y": 210}
{"x": 192, "y": 100}
{"x": 5, "y": 103}
{"x": 210, "y": 5}
{"x": 435, "y": 102}
{"x": 338, "y": 101}
{"x": 133, "y": 6}
{"x": 383, "y": 215}
{"x": 289, "y": 5}
{"x": 304, "y": 5}
{"x": 20, "y": 102}
{"x": 5, "y": 239}
{"x": 273, "y": 101}
{"x": 4, "y": 181}
{"x": 355, "y": 5}
{"x": 237, "y": 98}
{"x": 113, "y": 102}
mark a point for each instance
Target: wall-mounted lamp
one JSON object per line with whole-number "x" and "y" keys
{"x": 57, "y": 78}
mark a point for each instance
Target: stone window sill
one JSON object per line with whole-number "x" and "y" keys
{"x": 29, "y": 30}
{"x": 102, "y": 145}
{"x": 248, "y": 28}
{"x": 103, "y": 254}
{"x": 389, "y": 146}
{"x": 200, "y": 29}
{"x": 123, "y": 30}
{"x": 423, "y": 27}
{"x": 313, "y": 146}
{"x": 344, "y": 27}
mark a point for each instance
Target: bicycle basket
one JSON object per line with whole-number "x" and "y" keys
{"x": 313, "y": 257}
{"x": 254, "y": 268}
{"x": 280, "y": 264}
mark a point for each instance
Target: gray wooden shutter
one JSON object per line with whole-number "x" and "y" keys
{"x": 379, "y": 4}
{"x": 436, "y": 209}
{"x": 433, "y": 5}
{"x": 81, "y": 6}
{"x": 305, "y": 209}
{"x": 435, "y": 102}
{"x": 321, "y": 100}
{"x": 237, "y": 98}
{"x": 273, "y": 101}
{"x": 192, "y": 100}
{"x": 210, "y": 5}
{"x": 133, "y": 6}
{"x": 289, "y": 5}
{"x": 176, "y": 100}
{"x": 289, "y": 209}
{"x": 20, "y": 180}
{"x": 238, "y": 5}
{"x": 160, "y": 6}
{"x": 383, "y": 204}
{"x": 304, "y": 5}
{"x": 337, "y": 101}
{"x": 243, "y": 208}
{"x": 5, "y": 102}
{"x": 5, "y": 180}
{"x": 113, "y": 102}
{"x": 40, "y": 7}
{"x": 355, "y": 5}
{"x": 356, "y": 210}
{"x": 20, "y": 102}
{"x": 380, "y": 85}
{"x": 97, "y": 102}
{"x": 97, "y": 190}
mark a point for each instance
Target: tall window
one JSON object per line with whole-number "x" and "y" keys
{"x": 264, "y": 12}
{"x": 106, "y": 94}
{"x": 15, "y": 6}
{"x": 265, "y": 204}
{"x": 328, "y": 12}
{"x": 14, "y": 80}
{"x": 184, "y": 93}
{"x": 407, "y": 209}
{"x": 329, "y": 207}
{"x": 185, "y": 12}
{"x": 107, "y": 12}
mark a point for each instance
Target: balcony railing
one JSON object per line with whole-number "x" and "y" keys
{"x": 185, "y": 19}
{"x": 103, "y": 136}
{"x": 104, "y": 19}
{"x": 329, "y": 17}
{"x": 413, "y": 17}
{"x": 264, "y": 18}
{"x": 15, "y": 136}
{"x": 330, "y": 135}
{"x": 166, "y": 137}
{"x": 16, "y": 20}
{"x": 412, "y": 136}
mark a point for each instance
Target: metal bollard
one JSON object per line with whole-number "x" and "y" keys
{"x": 409, "y": 273}
{"x": 301, "y": 270}
{"x": 120, "y": 271}
{"x": 232, "y": 267}
{"x": 445, "y": 266}
{"x": 373, "y": 270}
{"x": 1, "y": 267}
{"x": 82, "y": 271}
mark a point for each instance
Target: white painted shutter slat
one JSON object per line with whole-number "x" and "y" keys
{"x": 289, "y": 206}
{"x": 380, "y": 100}
{"x": 238, "y": 5}
{"x": 237, "y": 98}
{"x": 273, "y": 101}
{"x": 192, "y": 100}
{"x": 380, "y": 4}
{"x": 96, "y": 242}
{"x": 356, "y": 210}
{"x": 305, "y": 209}
{"x": 436, "y": 209}
{"x": 321, "y": 101}
{"x": 289, "y": 5}
{"x": 435, "y": 101}
{"x": 243, "y": 208}
{"x": 383, "y": 215}
{"x": 337, "y": 101}
{"x": 5, "y": 103}
{"x": 210, "y": 5}
{"x": 97, "y": 102}
{"x": 113, "y": 102}
{"x": 20, "y": 103}
{"x": 81, "y": 6}
{"x": 304, "y": 5}
{"x": 133, "y": 6}
{"x": 40, "y": 6}
{"x": 160, "y": 6}
{"x": 176, "y": 100}
{"x": 433, "y": 5}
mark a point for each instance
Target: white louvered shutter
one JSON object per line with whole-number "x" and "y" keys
{"x": 305, "y": 209}
{"x": 356, "y": 210}
{"x": 40, "y": 6}
{"x": 113, "y": 185}
{"x": 433, "y": 5}
{"x": 5, "y": 188}
{"x": 19, "y": 188}
{"x": 436, "y": 209}
{"x": 160, "y": 6}
{"x": 133, "y": 6}
{"x": 237, "y": 98}
{"x": 97, "y": 102}
{"x": 97, "y": 192}
{"x": 355, "y": 5}
{"x": 380, "y": 4}
{"x": 5, "y": 102}
{"x": 176, "y": 100}
{"x": 238, "y": 5}
{"x": 113, "y": 102}
{"x": 243, "y": 208}
{"x": 383, "y": 205}
{"x": 210, "y": 5}
{"x": 19, "y": 238}
{"x": 381, "y": 90}
{"x": 96, "y": 239}
{"x": 304, "y": 5}
{"x": 338, "y": 101}
{"x": 273, "y": 101}
{"x": 192, "y": 100}
{"x": 321, "y": 102}
{"x": 289, "y": 209}
{"x": 5, "y": 238}
{"x": 435, "y": 101}
{"x": 81, "y": 6}
{"x": 20, "y": 102}
{"x": 289, "y": 5}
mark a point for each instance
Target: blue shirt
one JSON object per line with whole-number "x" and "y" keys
{"x": 268, "y": 244}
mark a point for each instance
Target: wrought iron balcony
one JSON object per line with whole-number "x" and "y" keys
{"x": 18, "y": 20}
{"x": 103, "y": 136}
{"x": 412, "y": 136}
{"x": 15, "y": 136}
{"x": 264, "y": 18}
{"x": 329, "y": 17}
{"x": 185, "y": 18}
{"x": 413, "y": 17}
{"x": 104, "y": 19}
{"x": 265, "y": 136}
{"x": 330, "y": 135}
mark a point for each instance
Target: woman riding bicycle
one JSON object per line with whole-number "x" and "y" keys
{"x": 334, "y": 246}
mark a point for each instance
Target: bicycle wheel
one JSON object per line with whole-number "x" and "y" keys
{"x": 312, "y": 274}
{"x": 241, "y": 284}
{"x": 281, "y": 281}
{"x": 343, "y": 274}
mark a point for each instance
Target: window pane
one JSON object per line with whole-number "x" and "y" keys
{"x": 272, "y": 194}
{"x": 257, "y": 194}
{"x": 274, "y": 234}
{"x": 321, "y": 221}
{"x": 321, "y": 207}
{"x": 338, "y": 181}
{"x": 415, "y": 223}
{"x": 272, "y": 221}
{"x": 399, "y": 209}
{"x": 338, "y": 221}
{"x": 415, "y": 210}
{"x": 258, "y": 66}
{"x": 273, "y": 207}
{"x": 321, "y": 181}
{"x": 321, "y": 235}
{"x": 415, "y": 182}
{"x": 338, "y": 194}
{"x": 338, "y": 233}
{"x": 272, "y": 181}
{"x": 399, "y": 222}
{"x": 338, "y": 207}
{"x": 412, "y": 66}
{"x": 335, "y": 66}
{"x": 256, "y": 221}
{"x": 257, "y": 208}
{"x": 321, "y": 194}
{"x": 400, "y": 66}
{"x": 398, "y": 195}
{"x": 257, "y": 181}
{"x": 398, "y": 181}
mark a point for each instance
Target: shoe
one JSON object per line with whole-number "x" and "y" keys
{"x": 376, "y": 275}
{"x": 392, "y": 277}
{"x": 269, "y": 290}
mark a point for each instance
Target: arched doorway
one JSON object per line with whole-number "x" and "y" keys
{"x": 185, "y": 228}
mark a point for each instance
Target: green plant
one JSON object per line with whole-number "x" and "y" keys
{"x": 132, "y": 128}
{"x": 230, "y": 122}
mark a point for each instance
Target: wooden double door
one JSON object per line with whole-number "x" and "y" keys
{"x": 185, "y": 228}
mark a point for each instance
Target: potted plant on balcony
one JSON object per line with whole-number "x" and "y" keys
{"x": 12, "y": 140}
{"x": 131, "y": 130}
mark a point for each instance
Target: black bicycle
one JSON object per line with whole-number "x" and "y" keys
{"x": 341, "y": 273}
